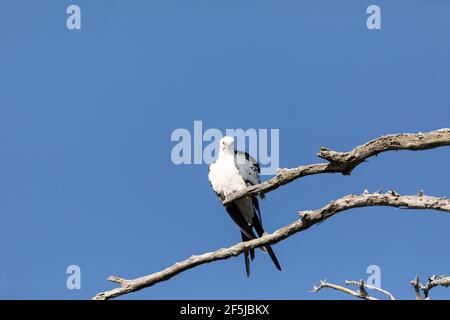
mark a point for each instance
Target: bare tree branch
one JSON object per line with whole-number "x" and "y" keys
{"x": 345, "y": 162}
{"x": 432, "y": 282}
{"x": 416, "y": 285}
{"x": 368, "y": 286}
{"x": 308, "y": 219}
{"x": 361, "y": 293}
{"x": 358, "y": 294}
{"x": 435, "y": 281}
{"x": 419, "y": 288}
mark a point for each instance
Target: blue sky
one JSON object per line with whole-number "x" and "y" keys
{"x": 86, "y": 116}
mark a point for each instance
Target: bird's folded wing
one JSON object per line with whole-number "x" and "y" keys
{"x": 239, "y": 219}
{"x": 248, "y": 167}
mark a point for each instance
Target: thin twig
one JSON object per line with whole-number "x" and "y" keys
{"x": 361, "y": 293}
{"x": 371, "y": 287}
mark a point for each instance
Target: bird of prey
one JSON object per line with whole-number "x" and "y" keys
{"x": 234, "y": 171}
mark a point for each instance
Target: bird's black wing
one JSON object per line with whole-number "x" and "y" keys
{"x": 239, "y": 219}
{"x": 249, "y": 170}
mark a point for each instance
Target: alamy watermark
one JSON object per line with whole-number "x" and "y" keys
{"x": 202, "y": 146}
{"x": 73, "y": 281}
{"x": 73, "y": 21}
{"x": 373, "y": 21}
{"x": 375, "y": 275}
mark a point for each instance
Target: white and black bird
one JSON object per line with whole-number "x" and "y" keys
{"x": 234, "y": 171}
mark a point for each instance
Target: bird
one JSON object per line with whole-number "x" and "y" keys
{"x": 231, "y": 172}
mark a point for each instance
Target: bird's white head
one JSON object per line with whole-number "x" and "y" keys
{"x": 226, "y": 145}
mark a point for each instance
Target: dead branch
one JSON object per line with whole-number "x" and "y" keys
{"x": 419, "y": 288}
{"x": 371, "y": 287}
{"x": 361, "y": 293}
{"x": 308, "y": 219}
{"x": 432, "y": 282}
{"x": 345, "y": 162}
{"x": 416, "y": 285}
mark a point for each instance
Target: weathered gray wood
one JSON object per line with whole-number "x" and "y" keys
{"x": 308, "y": 219}
{"x": 345, "y": 162}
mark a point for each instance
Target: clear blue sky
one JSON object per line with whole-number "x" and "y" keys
{"x": 86, "y": 116}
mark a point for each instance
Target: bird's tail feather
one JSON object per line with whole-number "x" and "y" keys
{"x": 273, "y": 257}
{"x": 247, "y": 255}
{"x": 247, "y": 263}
